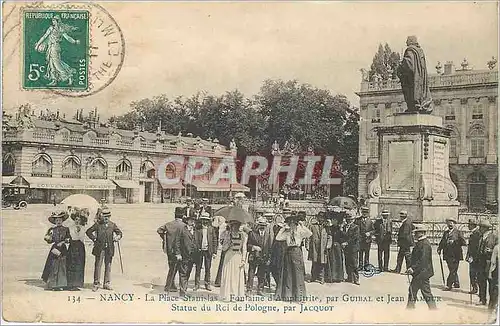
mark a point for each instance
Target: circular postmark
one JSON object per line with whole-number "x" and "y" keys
{"x": 78, "y": 50}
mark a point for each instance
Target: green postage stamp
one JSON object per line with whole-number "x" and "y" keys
{"x": 56, "y": 49}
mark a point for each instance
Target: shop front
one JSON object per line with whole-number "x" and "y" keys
{"x": 170, "y": 192}
{"x": 215, "y": 192}
{"x": 49, "y": 190}
{"x": 127, "y": 191}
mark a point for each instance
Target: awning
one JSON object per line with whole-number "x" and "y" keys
{"x": 166, "y": 185}
{"x": 127, "y": 184}
{"x": 222, "y": 185}
{"x": 8, "y": 179}
{"x": 67, "y": 183}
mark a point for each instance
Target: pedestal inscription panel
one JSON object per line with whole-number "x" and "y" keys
{"x": 439, "y": 167}
{"x": 401, "y": 166}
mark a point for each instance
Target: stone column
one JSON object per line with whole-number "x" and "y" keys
{"x": 491, "y": 157}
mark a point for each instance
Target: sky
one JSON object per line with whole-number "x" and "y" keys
{"x": 180, "y": 48}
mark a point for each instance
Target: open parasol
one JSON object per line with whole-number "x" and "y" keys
{"x": 234, "y": 213}
{"x": 80, "y": 202}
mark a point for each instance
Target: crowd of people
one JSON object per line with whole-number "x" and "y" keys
{"x": 272, "y": 249}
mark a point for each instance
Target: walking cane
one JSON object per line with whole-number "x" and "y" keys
{"x": 120, "y": 255}
{"x": 412, "y": 297}
{"x": 442, "y": 270}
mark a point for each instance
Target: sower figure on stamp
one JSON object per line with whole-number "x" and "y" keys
{"x": 104, "y": 234}
{"x": 259, "y": 244}
{"x": 169, "y": 233}
{"x": 472, "y": 249}
{"x": 421, "y": 270}
{"x": 405, "y": 241}
{"x": 488, "y": 241}
{"x": 317, "y": 249}
{"x": 206, "y": 245}
{"x": 185, "y": 252}
{"x": 383, "y": 237}
{"x": 451, "y": 245}
{"x": 350, "y": 245}
{"x": 365, "y": 233}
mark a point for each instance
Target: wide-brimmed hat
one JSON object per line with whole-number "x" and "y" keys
{"x": 106, "y": 212}
{"x": 58, "y": 214}
{"x": 385, "y": 212}
{"x": 365, "y": 209}
{"x": 261, "y": 221}
{"x": 349, "y": 216}
{"x": 239, "y": 195}
{"x": 287, "y": 211}
{"x": 204, "y": 216}
{"x": 204, "y": 199}
{"x": 268, "y": 214}
{"x": 419, "y": 228}
{"x": 404, "y": 213}
{"x": 451, "y": 220}
{"x": 292, "y": 217}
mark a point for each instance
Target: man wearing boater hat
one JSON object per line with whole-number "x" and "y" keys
{"x": 206, "y": 248}
{"x": 260, "y": 240}
{"x": 472, "y": 248}
{"x": 104, "y": 234}
{"x": 451, "y": 245}
{"x": 350, "y": 245}
{"x": 365, "y": 234}
{"x": 489, "y": 240}
{"x": 421, "y": 269}
{"x": 169, "y": 233}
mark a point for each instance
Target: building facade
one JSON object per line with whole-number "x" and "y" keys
{"x": 467, "y": 100}
{"x": 56, "y": 157}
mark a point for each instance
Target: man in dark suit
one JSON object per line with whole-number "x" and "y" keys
{"x": 185, "y": 251}
{"x": 383, "y": 237}
{"x": 350, "y": 244}
{"x": 451, "y": 245}
{"x": 206, "y": 248}
{"x": 260, "y": 240}
{"x": 405, "y": 241}
{"x": 169, "y": 233}
{"x": 317, "y": 249}
{"x": 365, "y": 237}
{"x": 190, "y": 209}
{"x": 104, "y": 234}
{"x": 488, "y": 241}
{"x": 472, "y": 248}
{"x": 421, "y": 270}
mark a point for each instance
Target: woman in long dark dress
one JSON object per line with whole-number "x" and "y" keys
{"x": 277, "y": 250}
{"x": 76, "y": 252}
{"x": 54, "y": 272}
{"x": 334, "y": 272}
{"x": 291, "y": 285}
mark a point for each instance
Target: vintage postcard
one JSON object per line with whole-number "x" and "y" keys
{"x": 250, "y": 162}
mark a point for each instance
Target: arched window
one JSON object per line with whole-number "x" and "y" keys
{"x": 170, "y": 171}
{"x": 8, "y": 164}
{"x": 476, "y": 191}
{"x": 71, "y": 167}
{"x": 41, "y": 166}
{"x": 98, "y": 169}
{"x": 477, "y": 142}
{"x": 124, "y": 170}
{"x": 147, "y": 169}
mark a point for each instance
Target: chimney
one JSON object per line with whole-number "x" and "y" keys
{"x": 449, "y": 68}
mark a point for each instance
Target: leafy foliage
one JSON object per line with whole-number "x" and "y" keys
{"x": 282, "y": 110}
{"x": 385, "y": 63}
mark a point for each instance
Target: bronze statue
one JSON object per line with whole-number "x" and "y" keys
{"x": 412, "y": 73}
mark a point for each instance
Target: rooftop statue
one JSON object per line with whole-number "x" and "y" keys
{"x": 412, "y": 73}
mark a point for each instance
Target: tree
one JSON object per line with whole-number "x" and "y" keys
{"x": 385, "y": 63}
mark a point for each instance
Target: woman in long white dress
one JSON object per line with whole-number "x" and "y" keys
{"x": 234, "y": 247}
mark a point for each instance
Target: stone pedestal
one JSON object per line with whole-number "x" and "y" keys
{"x": 413, "y": 170}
